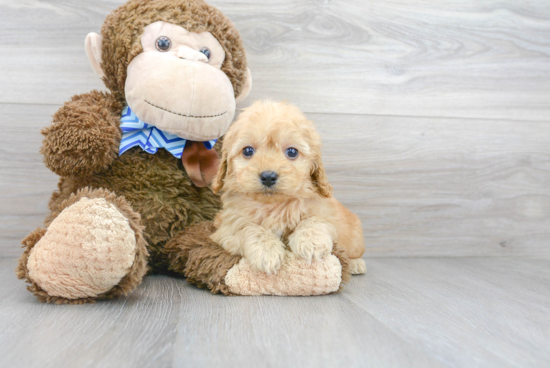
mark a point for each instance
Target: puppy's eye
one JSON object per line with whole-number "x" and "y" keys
{"x": 291, "y": 153}
{"x": 206, "y": 52}
{"x": 163, "y": 44}
{"x": 248, "y": 152}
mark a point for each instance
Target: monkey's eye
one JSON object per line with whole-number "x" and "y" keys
{"x": 206, "y": 52}
{"x": 163, "y": 44}
{"x": 291, "y": 153}
{"x": 248, "y": 152}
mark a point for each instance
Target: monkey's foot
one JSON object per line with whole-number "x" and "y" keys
{"x": 90, "y": 250}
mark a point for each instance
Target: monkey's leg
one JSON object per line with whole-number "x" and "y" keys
{"x": 204, "y": 263}
{"x": 193, "y": 254}
{"x": 94, "y": 249}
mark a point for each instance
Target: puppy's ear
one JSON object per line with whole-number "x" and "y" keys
{"x": 319, "y": 178}
{"x": 217, "y": 183}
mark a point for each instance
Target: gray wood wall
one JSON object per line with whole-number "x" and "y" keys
{"x": 435, "y": 114}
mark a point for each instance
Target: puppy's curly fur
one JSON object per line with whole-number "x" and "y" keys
{"x": 297, "y": 213}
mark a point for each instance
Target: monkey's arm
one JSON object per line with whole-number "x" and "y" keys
{"x": 84, "y": 137}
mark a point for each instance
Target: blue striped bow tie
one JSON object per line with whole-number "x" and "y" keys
{"x": 137, "y": 133}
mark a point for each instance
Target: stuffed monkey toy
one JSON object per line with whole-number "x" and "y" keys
{"x": 135, "y": 162}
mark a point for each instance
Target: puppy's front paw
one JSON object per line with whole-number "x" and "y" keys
{"x": 311, "y": 243}
{"x": 269, "y": 258}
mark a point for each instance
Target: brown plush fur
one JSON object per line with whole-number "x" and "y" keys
{"x": 122, "y": 30}
{"x": 85, "y": 135}
{"x": 158, "y": 188}
{"x": 82, "y": 144}
{"x": 197, "y": 257}
{"x": 126, "y": 285}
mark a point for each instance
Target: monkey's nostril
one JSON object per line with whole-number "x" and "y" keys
{"x": 269, "y": 178}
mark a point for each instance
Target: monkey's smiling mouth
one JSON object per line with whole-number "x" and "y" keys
{"x": 184, "y": 115}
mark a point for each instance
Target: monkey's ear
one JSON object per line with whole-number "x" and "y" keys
{"x": 246, "y": 87}
{"x": 93, "y": 51}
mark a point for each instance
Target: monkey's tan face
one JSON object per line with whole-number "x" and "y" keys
{"x": 176, "y": 83}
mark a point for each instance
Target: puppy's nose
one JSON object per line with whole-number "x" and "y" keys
{"x": 268, "y": 178}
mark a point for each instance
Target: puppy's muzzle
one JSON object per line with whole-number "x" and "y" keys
{"x": 269, "y": 178}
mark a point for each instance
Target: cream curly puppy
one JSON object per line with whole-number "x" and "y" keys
{"x": 276, "y": 194}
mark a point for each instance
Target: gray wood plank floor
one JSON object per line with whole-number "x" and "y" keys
{"x": 452, "y": 58}
{"x": 406, "y": 312}
{"x": 435, "y": 120}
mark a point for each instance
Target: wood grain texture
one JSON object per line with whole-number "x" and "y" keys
{"x": 466, "y": 312}
{"x": 465, "y": 173}
{"x": 442, "y": 187}
{"x": 25, "y": 183}
{"x": 422, "y": 186}
{"x": 488, "y": 59}
{"x": 462, "y": 312}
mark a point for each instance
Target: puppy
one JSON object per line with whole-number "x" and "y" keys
{"x": 276, "y": 194}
